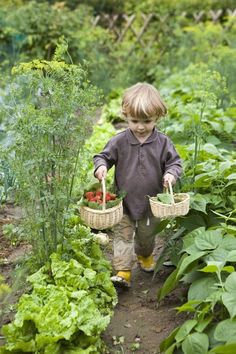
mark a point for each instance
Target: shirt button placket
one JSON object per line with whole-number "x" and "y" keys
{"x": 142, "y": 168}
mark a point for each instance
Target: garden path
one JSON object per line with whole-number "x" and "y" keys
{"x": 140, "y": 323}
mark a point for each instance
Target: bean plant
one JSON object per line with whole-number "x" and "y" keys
{"x": 49, "y": 109}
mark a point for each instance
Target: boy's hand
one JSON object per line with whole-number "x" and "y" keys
{"x": 168, "y": 178}
{"x": 101, "y": 172}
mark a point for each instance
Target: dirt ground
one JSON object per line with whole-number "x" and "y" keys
{"x": 139, "y": 323}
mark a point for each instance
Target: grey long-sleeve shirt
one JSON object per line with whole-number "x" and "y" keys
{"x": 139, "y": 168}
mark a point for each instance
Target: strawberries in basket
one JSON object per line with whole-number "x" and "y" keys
{"x": 94, "y": 199}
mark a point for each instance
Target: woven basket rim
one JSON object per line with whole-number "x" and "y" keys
{"x": 157, "y": 202}
{"x": 98, "y": 211}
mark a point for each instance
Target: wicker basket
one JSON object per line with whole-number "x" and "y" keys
{"x": 102, "y": 219}
{"x": 180, "y": 208}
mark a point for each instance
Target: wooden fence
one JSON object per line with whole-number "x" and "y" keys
{"x": 136, "y": 25}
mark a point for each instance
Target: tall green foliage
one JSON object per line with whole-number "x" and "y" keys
{"x": 31, "y": 30}
{"x": 171, "y": 6}
{"x": 49, "y": 109}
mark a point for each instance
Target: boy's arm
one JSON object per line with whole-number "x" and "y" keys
{"x": 100, "y": 172}
{"x": 105, "y": 160}
{"x": 168, "y": 178}
{"x": 173, "y": 165}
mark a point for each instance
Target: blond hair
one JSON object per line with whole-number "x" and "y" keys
{"x": 143, "y": 101}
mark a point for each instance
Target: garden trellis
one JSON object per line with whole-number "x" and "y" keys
{"x": 138, "y": 26}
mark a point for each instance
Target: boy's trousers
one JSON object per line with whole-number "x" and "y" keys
{"x": 133, "y": 237}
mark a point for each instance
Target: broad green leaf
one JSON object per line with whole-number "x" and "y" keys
{"x": 229, "y": 243}
{"x": 185, "y": 329}
{"x": 202, "y": 324}
{"x": 189, "y": 240}
{"x": 218, "y": 255}
{"x": 229, "y": 300}
{"x": 166, "y": 343}
{"x": 224, "y": 349}
{"x": 225, "y": 165}
{"x": 191, "y": 249}
{"x": 229, "y": 297}
{"x": 229, "y": 269}
{"x": 209, "y": 269}
{"x": 211, "y": 149}
{"x": 193, "y": 220}
{"x": 218, "y": 264}
{"x": 198, "y": 202}
{"x": 216, "y": 296}
{"x": 216, "y": 200}
{"x": 231, "y": 183}
{"x": 168, "y": 285}
{"x": 225, "y": 330}
{"x": 209, "y": 240}
{"x": 171, "y": 349}
{"x": 211, "y": 139}
{"x": 203, "y": 180}
{"x": 187, "y": 262}
{"x": 232, "y": 176}
{"x": 230, "y": 284}
{"x": 231, "y": 257}
{"x": 189, "y": 306}
{"x": 202, "y": 288}
{"x": 196, "y": 343}
{"x": 215, "y": 125}
{"x": 232, "y": 198}
{"x": 229, "y": 124}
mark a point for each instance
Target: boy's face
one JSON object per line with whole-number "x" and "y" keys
{"x": 141, "y": 128}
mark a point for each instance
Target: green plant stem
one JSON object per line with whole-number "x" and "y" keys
{"x": 71, "y": 188}
{"x": 53, "y": 219}
{"x": 43, "y": 227}
{"x": 198, "y": 129}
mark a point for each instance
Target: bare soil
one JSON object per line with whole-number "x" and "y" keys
{"x": 11, "y": 252}
{"x": 139, "y": 323}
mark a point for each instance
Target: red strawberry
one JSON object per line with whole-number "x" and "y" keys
{"x": 98, "y": 193}
{"x": 93, "y": 199}
{"x": 112, "y": 196}
{"x": 97, "y": 197}
{"x": 108, "y": 197}
{"x": 89, "y": 195}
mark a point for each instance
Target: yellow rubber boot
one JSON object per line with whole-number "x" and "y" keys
{"x": 146, "y": 263}
{"x": 122, "y": 278}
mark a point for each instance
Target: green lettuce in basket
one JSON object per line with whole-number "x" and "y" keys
{"x": 165, "y": 198}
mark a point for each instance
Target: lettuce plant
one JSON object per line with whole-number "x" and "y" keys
{"x": 70, "y": 304}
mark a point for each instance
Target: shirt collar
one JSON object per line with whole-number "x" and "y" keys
{"x": 134, "y": 141}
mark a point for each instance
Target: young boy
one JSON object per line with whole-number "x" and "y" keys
{"x": 145, "y": 160}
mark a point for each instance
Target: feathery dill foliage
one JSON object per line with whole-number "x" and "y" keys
{"x": 50, "y": 105}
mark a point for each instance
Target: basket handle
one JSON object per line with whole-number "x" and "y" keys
{"x": 171, "y": 192}
{"x": 103, "y": 194}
